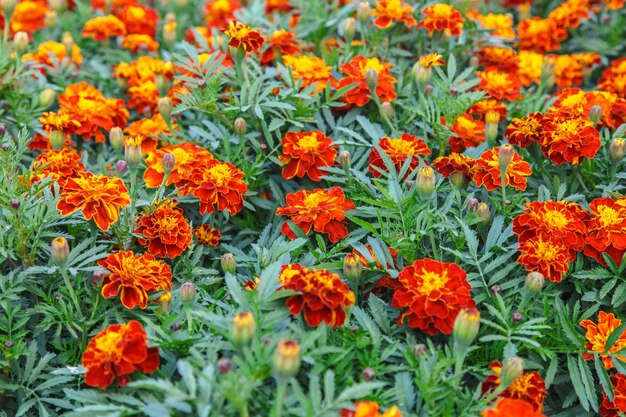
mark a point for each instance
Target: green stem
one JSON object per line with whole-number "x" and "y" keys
{"x": 280, "y": 398}
{"x": 70, "y": 289}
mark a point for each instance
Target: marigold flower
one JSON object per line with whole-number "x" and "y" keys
{"x": 136, "y": 42}
{"x": 206, "y": 235}
{"x": 390, "y": 11}
{"x": 60, "y": 122}
{"x": 500, "y": 25}
{"x": 98, "y": 196}
{"x": 523, "y": 132}
{"x": 455, "y": 162}
{"x": 322, "y": 297}
{"x": 540, "y": 35}
{"x": 613, "y": 79}
{"x": 597, "y": 335}
{"x": 398, "y": 150}
{"x": 488, "y": 171}
{"x": 188, "y": 156}
{"x": 151, "y": 129}
{"x": 166, "y": 231}
{"x": 320, "y": 210}
{"x": 139, "y": 19}
{"x": 57, "y": 165}
{"x": 47, "y": 50}
{"x": 433, "y": 292}
{"x": 304, "y": 153}
{"x": 369, "y": 409}
{"x": 568, "y": 71}
{"x": 504, "y": 59}
{"x": 218, "y": 185}
{"x": 566, "y": 139}
{"x": 309, "y": 70}
{"x": 499, "y": 84}
{"x": 275, "y": 6}
{"x": 104, "y": 27}
{"x": 569, "y": 13}
{"x": 469, "y": 133}
{"x": 442, "y": 17}
{"x": 509, "y": 407}
{"x": 283, "y": 42}
{"x": 133, "y": 277}
{"x": 220, "y": 13}
{"x": 244, "y": 36}
{"x": 617, "y": 407}
{"x": 116, "y": 352}
{"x": 546, "y": 254}
{"x": 529, "y": 387}
{"x": 606, "y": 230}
{"x": 355, "y": 74}
{"x": 140, "y": 75}
{"x": 576, "y": 103}
{"x": 530, "y": 66}
{"x": 28, "y": 16}
{"x": 489, "y": 106}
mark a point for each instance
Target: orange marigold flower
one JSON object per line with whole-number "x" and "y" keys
{"x": 488, "y": 171}
{"x": 283, "y": 42}
{"x": 546, "y": 254}
{"x": 617, "y": 407}
{"x": 219, "y": 13}
{"x": 206, "y": 235}
{"x": 509, "y": 407}
{"x": 116, "y": 352}
{"x": 28, "y": 16}
{"x": 133, "y": 277}
{"x": 500, "y": 25}
{"x": 613, "y": 78}
{"x": 499, "y": 84}
{"x": 455, "y": 162}
{"x": 42, "y": 142}
{"x": 322, "y": 297}
{"x": 442, "y": 17}
{"x": 597, "y": 335}
{"x": 243, "y": 35}
{"x": 47, "y": 50}
{"x": 104, "y": 27}
{"x": 504, "y": 59}
{"x": 310, "y": 70}
{"x": 433, "y": 292}
{"x": 469, "y": 133}
{"x": 389, "y": 11}
{"x": 606, "y": 230}
{"x": 576, "y": 103}
{"x": 568, "y": 71}
{"x": 530, "y": 64}
{"x": 57, "y": 165}
{"x": 187, "y": 157}
{"x": 136, "y": 42}
{"x": 489, "y": 105}
{"x": 569, "y": 13}
{"x": 523, "y": 132}
{"x": 274, "y": 6}
{"x": 369, "y": 409}
{"x": 529, "y": 386}
{"x": 166, "y": 232}
{"x": 398, "y": 150}
{"x": 61, "y": 122}
{"x": 140, "y": 75}
{"x": 355, "y": 74}
{"x": 540, "y": 35}
{"x": 139, "y": 19}
{"x": 566, "y": 139}
{"x": 304, "y": 153}
{"x": 431, "y": 60}
{"x": 218, "y": 185}
{"x": 98, "y": 196}
{"x": 320, "y": 210}
{"x": 150, "y": 129}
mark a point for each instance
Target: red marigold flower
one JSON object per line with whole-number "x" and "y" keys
{"x": 499, "y": 84}
{"x": 61, "y": 122}
{"x": 617, "y": 407}
{"x": 606, "y": 230}
{"x": 568, "y": 71}
{"x": 116, "y": 352}
{"x": 469, "y": 133}
{"x": 206, "y": 235}
{"x": 322, "y": 297}
{"x": 369, "y": 409}
{"x": 98, "y": 196}
{"x": 509, "y": 407}
{"x": 455, "y": 162}
{"x": 389, "y": 11}
{"x": 504, "y": 59}
{"x": 309, "y": 70}
{"x": 28, "y": 16}
{"x": 523, "y": 132}
{"x": 433, "y": 292}
{"x": 565, "y": 139}
{"x": 598, "y": 334}
{"x": 104, "y": 27}
{"x": 244, "y": 36}
{"x": 576, "y": 103}
{"x": 133, "y": 277}
{"x": 277, "y": 6}
{"x": 569, "y": 13}
{"x": 187, "y": 157}
{"x": 398, "y": 150}
{"x": 546, "y": 254}
{"x": 355, "y": 74}
{"x": 139, "y": 19}
{"x": 140, "y": 76}
{"x": 304, "y": 153}
{"x": 321, "y": 210}
{"x": 529, "y": 386}
{"x": 151, "y": 129}
{"x": 488, "y": 171}
{"x": 219, "y": 13}
{"x": 57, "y": 165}
{"x": 516, "y": 3}
{"x": 490, "y": 105}
{"x": 540, "y": 35}
{"x": 166, "y": 231}
{"x": 442, "y": 17}
{"x": 283, "y": 42}
{"x": 613, "y": 79}
{"x": 218, "y": 185}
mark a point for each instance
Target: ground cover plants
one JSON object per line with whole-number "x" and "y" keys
{"x": 312, "y": 208}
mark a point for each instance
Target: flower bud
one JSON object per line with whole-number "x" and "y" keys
{"x": 3, "y": 131}
{"x": 15, "y": 203}
{"x": 116, "y": 137}
{"x": 132, "y": 151}
{"x": 46, "y": 97}
{"x": 287, "y": 358}
{"x": 165, "y": 107}
{"x": 122, "y": 83}
{"x": 352, "y": 266}
{"x": 496, "y": 290}
{"x": 243, "y": 328}
{"x": 363, "y": 12}
{"x": 428, "y": 90}
{"x": 371, "y": 78}
{"x": 512, "y": 368}
{"x": 97, "y": 278}
{"x": 425, "y": 181}
{"x": 7, "y": 8}
{"x": 420, "y": 349}
{"x": 483, "y": 212}
{"x": 595, "y": 114}
{"x": 20, "y": 41}
{"x": 617, "y": 149}
{"x": 492, "y": 118}
{"x": 120, "y": 167}
{"x": 68, "y": 42}
{"x": 547, "y": 71}
{"x": 165, "y": 302}
{"x": 472, "y": 205}
{"x": 51, "y": 19}
{"x": 240, "y": 126}
{"x": 168, "y": 162}
{"x": 422, "y": 74}
{"x": 349, "y": 27}
{"x": 229, "y": 263}
{"x": 57, "y": 5}
{"x": 466, "y": 326}
{"x": 368, "y": 374}
{"x": 224, "y": 365}
{"x": 474, "y": 62}
{"x": 169, "y": 33}
{"x": 386, "y": 109}
{"x": 505, "y": 154}
{"x": 57, "y": 139}
{"x": 516, "y": 317}
{"x": 162, "y": 84}
{"x": 187, "y": 292}
{"x": 59, "y": 251}
{"x": 458, "y": 179}
{"x": 344, "y": 159}
{"x": 534, "y": 282}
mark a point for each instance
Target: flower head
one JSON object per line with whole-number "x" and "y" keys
{"x": 468, "y": 131}
{"x": 547, "y": 255}
{"x": 398, "y": 150}
{"x": 220, "y": 13}
{"x": 540, "y": 35}
{"x": 598, "y": 334}
{"x": 355, "y": 74}
{"x": 488, "y": 173}
{"x": 617, "y": 407}
{"x": 282, "y": 42}
{"x": 455, "y": 162}
{"x": 57, "y": 165}
{"x": 369, "y": 409}
{"x": 499, "y": 84}
{"x": 529, "y": 386}
{"x": 244, "y": 36}
{"x": 569, "y": 139}
{"x": 309, "y": 70}
{"x": 166, "y": 232}
{"x": 187, "y": 157}
{"x": 606, "y": 230}
{"x": 206, "y": 235}
{"x": 510, "y": 407}
{"x": 442, "y": 17}
{"x": 28, "y": 16}
{"x": 47, "y": 50}
{"x": 500, "y": 25}
{"x": 104, "y": 27}
{"x": 390, "y": 11}
{"x": 304, "y": 153}
{"x": 526, "y": 130}
{"x": 136, "y": 42}
{"x": 138, "y": 19}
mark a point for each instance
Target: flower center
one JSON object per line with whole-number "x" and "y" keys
{"x": 109, "y": 342}
{"x": 432, "y": 281}
{"x": 555, "y": 219}
{"x": 308, "y": 143}
{"x": 372, "y": 63}
{"x": 609, "y": 216}
{"x": 546, "y": 251}
{"x": 220, "y": 174}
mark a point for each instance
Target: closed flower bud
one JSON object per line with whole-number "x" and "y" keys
{"x": 162, "y": 84}
{"x": 428, "y": 90}
{"x": 169, "y": 34}
{"x": 122, "y": 83}
{"x": 345, "y": 159}
{"x": 165, "y": 107}
{"x": 387, "y": 109}
{"x": 459, "y": 180}
{"x": 534, "y": 282}
{"x": 51, "y": 19}
{"x": 512, "y": 368}
{"x": 120, "y": 167}
{"x": 466, "y": 326}
{"x": 229, "y": 263}
{"x": 363, "y": 11}
{"x": 7, "y": 8}
{"x": 168, "y": 162}
{"x": 496, "y": 290}
{"x": 224, "y": 366}
{"x": 20, "y": 41}
{"x": 420, "y": 349}
{"x": 368, "y": 374}
{"x": 46, "y": 97}
{"x": 116, "y": 137}
{"x": 15, "y": 203}
{"x": 3, "y": 131}
{"x": 352, "y": 266}
{"x": 492, "y": 118}
{"x": 57, "y": 139}
{"x": 133, "y": 154}
{"x": 243, "y": 328}
{"x": 595, "y": 114}
{"x": 59, "y": 251}
{"x": 505, "y": 155}
{"x": 547, "y": 71}
{"x": 240, "y": 126}
{"x": 617, "y": 149}
{"x": 165, "y": 302}
{"x": 472, "y": 205}
{"x": 187, "y": 293}
{"x": 425, "y": 181}
{"x": 97, "y": 278}
{"x": 516, "y": 317}
{"x": 68, "y": 42}
{"x": 170, "y": 17}
{"x": 371, "y": 78}
{"x": 349, "y": 27}
{"x": 474, "y": 62}
{"x": 421, "y": 73}
{"x": 483, "y": 212}
{"x": 57, "y": 5}
{"x": 287, "y": 358}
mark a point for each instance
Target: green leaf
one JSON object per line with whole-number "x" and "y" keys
{"x": 603, "y": 376}
{"x": 576, "y": 379}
